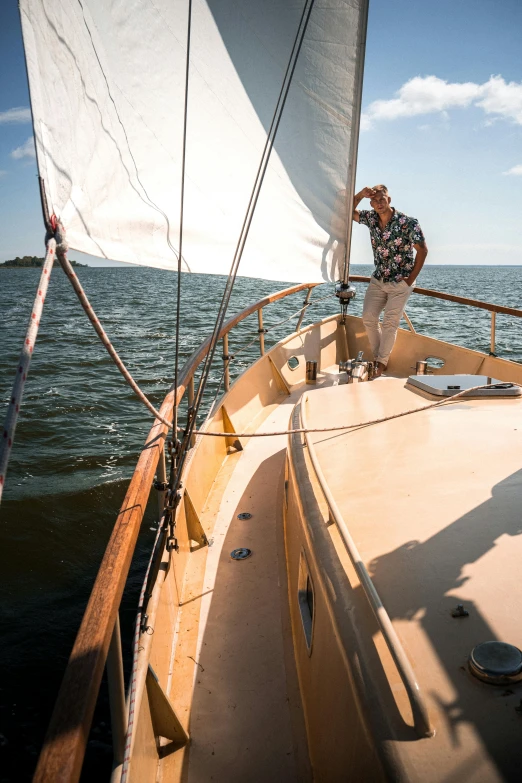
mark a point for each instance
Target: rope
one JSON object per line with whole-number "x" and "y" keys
{"x": 61, "y": 254}
{"x": 349, "y": 426}
{"x": 15, "y": 401}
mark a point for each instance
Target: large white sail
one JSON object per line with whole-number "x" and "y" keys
{"x": 107, "y": 90}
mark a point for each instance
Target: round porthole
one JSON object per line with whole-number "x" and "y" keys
{"x": 293, "y": 362}
{"x": 435, "y": 362}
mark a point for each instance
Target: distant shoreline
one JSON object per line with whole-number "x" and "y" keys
{"x": 32, "y": 262}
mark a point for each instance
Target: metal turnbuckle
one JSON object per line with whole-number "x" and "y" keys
{"x": 345, "y": 292}
{"x": 172, "y": 544}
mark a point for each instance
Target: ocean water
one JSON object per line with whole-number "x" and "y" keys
{"x": 80, "y": 433}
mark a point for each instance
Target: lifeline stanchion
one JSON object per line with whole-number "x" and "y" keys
{"x": 22, "y": 371}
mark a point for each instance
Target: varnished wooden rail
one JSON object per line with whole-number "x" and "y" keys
{"x": 492, "y": 308}
{"x": 64, "y": 746}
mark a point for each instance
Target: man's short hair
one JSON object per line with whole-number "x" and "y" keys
{"x": 381, "y": 187}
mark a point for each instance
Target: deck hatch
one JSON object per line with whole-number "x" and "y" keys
{"x": 306, "y": 601}
{"x": 497, "y": 663}
{"x": 448, "y": 385}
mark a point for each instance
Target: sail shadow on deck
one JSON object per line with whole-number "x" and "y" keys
{"x": 246, "y": 720}
{"x": 465, "y": 563}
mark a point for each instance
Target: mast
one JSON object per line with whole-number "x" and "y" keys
{"x": 354, "y": 137}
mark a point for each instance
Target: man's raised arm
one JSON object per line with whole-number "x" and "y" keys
{"x": 364, "y": 193}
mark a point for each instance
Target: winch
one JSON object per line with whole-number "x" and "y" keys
{"x": 358, "y": 369}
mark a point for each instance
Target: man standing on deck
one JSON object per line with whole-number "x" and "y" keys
{"x": 394, "y": 238}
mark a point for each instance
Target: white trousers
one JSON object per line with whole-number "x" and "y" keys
{"x": 392, "y": 298}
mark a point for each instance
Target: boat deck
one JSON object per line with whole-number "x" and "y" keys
{"x": 241, "y": 725}
{"x": 432, "y": 501}
{"x": 246, "y": 721}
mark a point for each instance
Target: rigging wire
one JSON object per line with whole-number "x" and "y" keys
{"x": 263, "y": 165}
{"x": 181, "y": 211}
{"x": 354, "y": 138}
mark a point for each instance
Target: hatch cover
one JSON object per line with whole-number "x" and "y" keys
{"x": 448, "y": 385}
{"x": 496, "y": 662}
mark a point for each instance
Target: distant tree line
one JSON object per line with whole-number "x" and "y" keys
{"x": 30, "y": 261}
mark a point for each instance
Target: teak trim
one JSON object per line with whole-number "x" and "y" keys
{"x": 64, "y": 745}
{"x": 492, "y": 308}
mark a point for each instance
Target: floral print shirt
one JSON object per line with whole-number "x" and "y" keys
{"x": 393, "y": 247}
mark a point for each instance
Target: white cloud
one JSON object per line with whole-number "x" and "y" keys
{"x": 429, "y": 95}
{"x": 502, "y": 98}
{"x": 516, "y": 171}
{"x": 2, "y": 173}
{"x": 18, "y": 114}
{"x": 26, "y": 150}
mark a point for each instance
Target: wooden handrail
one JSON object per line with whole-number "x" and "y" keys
{"x": 64, "y": 746}
{"x": 492, "y": 308}
{"x": 421, "y": 718}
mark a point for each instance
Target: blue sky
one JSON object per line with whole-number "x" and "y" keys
{"x": 442, "y": 127}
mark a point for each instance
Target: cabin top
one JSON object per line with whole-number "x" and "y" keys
{"x": 432, "y": 501}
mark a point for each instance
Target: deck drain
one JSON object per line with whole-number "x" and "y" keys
{"x": 244, "y": 515}
{"x": 240, "y": 554}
